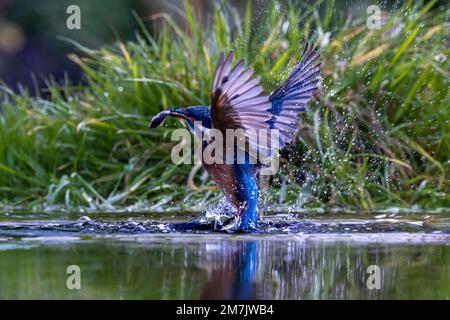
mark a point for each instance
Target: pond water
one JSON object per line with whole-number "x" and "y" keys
{"x": 322, "y": 257}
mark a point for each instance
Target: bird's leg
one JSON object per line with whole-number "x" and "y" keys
{"x": 247, "y": 218}
{"x": 241, "y": 210}
{"x": 248, "y": 211}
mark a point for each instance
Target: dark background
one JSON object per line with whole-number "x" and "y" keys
{"x": 30, "y": 46}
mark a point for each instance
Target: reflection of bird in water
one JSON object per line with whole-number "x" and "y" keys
{"x": 237, "y": 103}
{"x": 237, "y": 278}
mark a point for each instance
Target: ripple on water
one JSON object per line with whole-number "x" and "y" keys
{"x": 380, "y": 229}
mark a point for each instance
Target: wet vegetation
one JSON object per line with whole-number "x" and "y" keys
{"x": 376, "y": 134}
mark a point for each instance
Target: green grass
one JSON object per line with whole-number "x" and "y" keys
{"x": 376, "y": 135}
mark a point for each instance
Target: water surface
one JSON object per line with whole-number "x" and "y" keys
{"x": 325, "y": 257}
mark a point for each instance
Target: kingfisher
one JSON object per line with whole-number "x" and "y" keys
{"x": 238, "y": 102}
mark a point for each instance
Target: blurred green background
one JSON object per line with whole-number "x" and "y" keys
{"x": 30, "y": 50}
{"x": 29, "y": 30}
{"x": 376, "y": 134}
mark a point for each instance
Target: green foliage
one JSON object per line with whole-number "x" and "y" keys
{"x": 377, "y": 133}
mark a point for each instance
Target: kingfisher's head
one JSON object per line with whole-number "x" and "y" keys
{"x": 188, "y": 115}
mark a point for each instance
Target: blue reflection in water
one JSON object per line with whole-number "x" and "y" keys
{"x": 236, "y": 278}
{"x": 246, "y": 274}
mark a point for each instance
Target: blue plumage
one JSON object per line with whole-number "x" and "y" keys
{"x": 237, "y": 103}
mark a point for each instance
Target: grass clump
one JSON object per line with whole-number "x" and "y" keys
{"x": 376, "y": 135}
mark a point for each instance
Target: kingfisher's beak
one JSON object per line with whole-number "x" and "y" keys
{"x": 159, "y": 118}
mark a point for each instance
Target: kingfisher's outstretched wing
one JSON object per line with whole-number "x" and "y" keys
{"x": 236, "y": 100}
{"x": 290, "y": 99}
{"x": 237, "y": 103}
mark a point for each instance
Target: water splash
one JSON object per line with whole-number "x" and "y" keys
{"x": 223, "y": 208}
{"x": 276, "y": 224}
